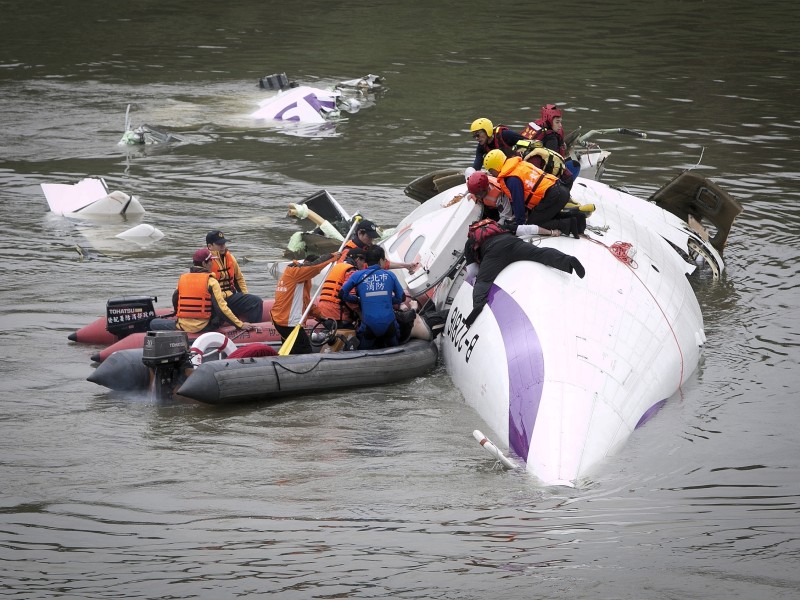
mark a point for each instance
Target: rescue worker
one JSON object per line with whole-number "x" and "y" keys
{"x": 292, "y": 295}
{"x": 491, "y": 138}
{"x": 199, "y": 301}
{"x": 364, "y": 238}
{"x": 378, "y": 293}
{"x": 497, "y": 206}
{"x": 536, "y": 197}
{"x": 330, "y": 305}
{"x": 248, "y": 307}
{"x": 490, "y": 248}
{"x": 548, "y": 129}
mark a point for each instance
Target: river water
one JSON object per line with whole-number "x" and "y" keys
{"x": 383, "y": 493}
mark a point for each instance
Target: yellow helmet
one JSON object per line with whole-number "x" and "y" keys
{"x": 484, "y": 124}
{"x": 494, "y": 160}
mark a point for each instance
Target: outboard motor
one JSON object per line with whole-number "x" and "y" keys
{"x": 166, "y": 354}
{"x": 129, "y": 314}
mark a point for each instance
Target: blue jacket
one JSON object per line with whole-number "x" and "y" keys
{"x": 376, "y": 292}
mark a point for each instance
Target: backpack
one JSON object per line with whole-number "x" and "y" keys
{"x": 480, "y": 231}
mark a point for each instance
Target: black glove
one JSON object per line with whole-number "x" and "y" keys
{"x": 472, "y": 316}
{"x": 576, "y": 267}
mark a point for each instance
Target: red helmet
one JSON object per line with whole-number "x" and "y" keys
{"x": 549, "y": 112}
{"x": 477, "y": 182}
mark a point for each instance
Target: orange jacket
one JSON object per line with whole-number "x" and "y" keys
{"x": 293, "y": 292}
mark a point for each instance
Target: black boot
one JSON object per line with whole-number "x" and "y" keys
{"x": 581, "y": 222}
{"x": 573, "y": 227}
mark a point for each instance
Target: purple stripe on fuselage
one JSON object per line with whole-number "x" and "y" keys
{"x": 525, "y": 368}
{"x": 279, "y": 116}
{"x": 650, "y": 413}
{"x": 318, "y": 104}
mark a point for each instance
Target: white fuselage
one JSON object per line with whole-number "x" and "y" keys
{"x": 563, "y": 369}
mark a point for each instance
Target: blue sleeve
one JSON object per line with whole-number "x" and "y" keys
{"x": 514, "y": 185}
{"x": 477, "y": 164}
{"x": 346, "y": 292}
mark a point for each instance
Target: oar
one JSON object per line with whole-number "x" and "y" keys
{"x": 287, "y": 346}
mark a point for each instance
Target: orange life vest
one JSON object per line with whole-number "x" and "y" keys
{"x": 224, "y": 276}
{"x": 349, "y": 245}
{"x": 535, "y": 182}
{"x": 329, "y": 304}
{"x": 194, "y": 298}
{"x": 490, "y": 199}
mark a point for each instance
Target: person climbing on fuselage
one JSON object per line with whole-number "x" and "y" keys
{"x": 491, "y": 138}
{"x": 537, "y": 197}
{"x": 490, "y": 248}
{"x": 497, "y": 206}
{"x": 378, "y": 293}
{"x": 548, "y": 129}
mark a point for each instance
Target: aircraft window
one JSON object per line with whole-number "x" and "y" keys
{"x": 413, "y": 251}
{"x": 400, "y": 240}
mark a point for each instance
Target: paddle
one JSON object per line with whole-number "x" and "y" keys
{"x": 287, "y": 346}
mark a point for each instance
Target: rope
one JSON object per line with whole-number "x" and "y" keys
{"x": 277, "y": 364}
{"x": 623, "y": 252}
{"x": 453, "y": 200}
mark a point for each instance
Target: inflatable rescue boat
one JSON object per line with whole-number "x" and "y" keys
{"x": 126, "y": 324}
{"x": 170, "y": 367}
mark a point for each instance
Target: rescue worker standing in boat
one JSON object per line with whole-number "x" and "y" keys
{"x": 292, "y": 295}
{"x": 199, "y": 302}
{"x": 536, "y": 197}
{"x": 378, "y": 292}
{"x": 491, "y": 138}
{"x": 225, "y": 268}
{"x": 490, "y": 248}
